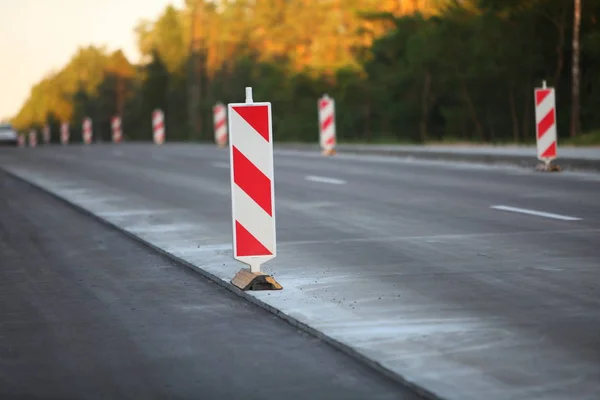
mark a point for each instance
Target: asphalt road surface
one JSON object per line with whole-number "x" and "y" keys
{"x": 473, "y": 282}
{"x": 87, "y": 313}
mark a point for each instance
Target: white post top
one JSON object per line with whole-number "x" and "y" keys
{"x": 544, "y": 84}
{"x": 249, "y": 95}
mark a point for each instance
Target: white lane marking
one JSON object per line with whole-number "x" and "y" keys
{"x": 322, "y": 179}
{"x": 536, "y": 213}
{"x": 220, "y": 165}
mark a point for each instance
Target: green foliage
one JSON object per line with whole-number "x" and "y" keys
{"x": 408, "y": 71}
{"x": 587, "y": 139}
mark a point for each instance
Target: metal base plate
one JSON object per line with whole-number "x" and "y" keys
{"x": 246, "y": 280}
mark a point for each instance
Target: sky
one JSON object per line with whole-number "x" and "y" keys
{"x": 40, "y": 36}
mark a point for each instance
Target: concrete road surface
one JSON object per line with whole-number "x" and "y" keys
{"x": 87, "y": 313}
{"x": 584, "y": 153}
{"x": 569, "y": 158}
{"x": 472, "y": 282}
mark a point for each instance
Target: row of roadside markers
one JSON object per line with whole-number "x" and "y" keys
{"x": 158, "y": 129}
{"x": 248, "y": 128}
{"x": 545, "y": 113}
{"x": 326, "y": 109}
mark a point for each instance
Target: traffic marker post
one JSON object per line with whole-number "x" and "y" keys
{"x": 220, "y": 124}
{"x": 545, "y": 127}
{"x": 327, "y": 137}
{"x": 32, "y": 138}
{"x": 252, "y": 191}
{"x": 46, "y": 134}
{"x": 64, "y": 133}
{"x": 21, "y": 140}
{"x": 87, "y": 130}
{"x": 117, "y": 134}
{"x": 158, "y": 126}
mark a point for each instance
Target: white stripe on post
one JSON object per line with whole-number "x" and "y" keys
{"x": 545, "y": 123}
{"x": 87, "y": 130}
{"x": 252, "y": 186}
{"x": 158, "y": 126}
{"x": 220, "y": 124}
{"x": 327, "y": 139}
{"x": 116, "y": 129}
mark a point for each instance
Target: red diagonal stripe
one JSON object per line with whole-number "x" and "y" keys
{"x": 550, "y": 151}
{"x": 158, "y": 125}
{"x": 330, "y": 141}
{"x": 323, "y": 103}
{"x": 327, "y": 123}
{"x": 247, "y": 245}
{"x": 540, "y": 95}
{"x": 252, "y": 181}
{"x": 546, "y": 123}
{"x": 220, "y": 123}
{"x": 257, "y": 117}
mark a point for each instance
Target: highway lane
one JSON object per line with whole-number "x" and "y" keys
{"x": 412, "y": 265}
{"x": 87, "y": 313}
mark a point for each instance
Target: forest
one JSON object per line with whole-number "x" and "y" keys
{"x": 410, "y": 71}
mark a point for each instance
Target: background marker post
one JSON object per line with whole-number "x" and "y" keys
{"x": 46, "y": 134}
{"x": 87, "y": 130}
{"x": 545, "y": 127}
{"x": 117, "y": 133}
{"x": 220, "y": 124}
{"x": 158, "y": 126}
{"x": 33, "y": 138}
{"x": 64, "y": 133}
{"x": 327, "y": 137}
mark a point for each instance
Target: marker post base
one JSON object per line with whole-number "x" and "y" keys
{"x": 548, "y": 167}
{"x": 246, "y": 280}
{"x": 329, "y": 152}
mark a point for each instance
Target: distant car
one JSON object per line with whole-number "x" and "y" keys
{"x": 8, "y": 136}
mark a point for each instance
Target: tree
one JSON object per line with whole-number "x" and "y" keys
{"x": 409, "y": 70}
{"x": 575, "y": 122}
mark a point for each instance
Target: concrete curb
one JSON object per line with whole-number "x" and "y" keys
{"x": 566, "y": 163}
{"x": 344, "y": 348}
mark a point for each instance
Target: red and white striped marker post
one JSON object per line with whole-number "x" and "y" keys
{"x": 87, "y": 130}
{"x": 327, "y": 124}
{"x": 32, "y": 138}
{"x": 158, "y": 126}
{"x": 252, "y": 191}
{"x": 545, "y": 124}
{"x": 46, "y": 134}
{"x": 220, "y": 122}
{"x": 117, "y": 134}
{"x": 21, "y": 140}
{"x": 64, "y": 133}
